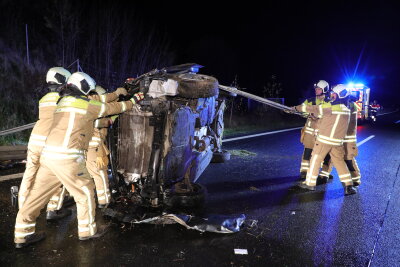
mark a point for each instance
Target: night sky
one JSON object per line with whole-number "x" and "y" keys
{"x": 300, "y": 43}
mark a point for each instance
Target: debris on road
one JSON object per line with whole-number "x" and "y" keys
{"x": 240, "y": 251}
{"x": 213, "y": 223}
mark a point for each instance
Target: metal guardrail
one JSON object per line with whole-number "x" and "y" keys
{"x": 13, "y": 152}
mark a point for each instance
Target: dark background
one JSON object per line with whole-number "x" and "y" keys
{"x": 300, "y": 43}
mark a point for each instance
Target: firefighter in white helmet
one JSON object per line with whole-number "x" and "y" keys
{"x": 62, "y": 160}
{"x": 334, "y": 121}
{"x": 54, "y": 207}
{"x": 350, "y": 148}
{"x": 309, "y": 130}
{"x": 56, "y": 78}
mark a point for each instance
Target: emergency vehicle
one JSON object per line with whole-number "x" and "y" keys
{"x": 361, "y": 94}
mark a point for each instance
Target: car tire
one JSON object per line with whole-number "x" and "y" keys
{"x": 192, "y": 85}
{"x": 194, "y": 199}
{"x": 221, "y": 157}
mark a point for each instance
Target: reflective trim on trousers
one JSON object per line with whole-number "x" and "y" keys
{"x": 89, "y": 229}
{"x": 21, "y": 225}
{"x": 90, "y": 210}
{"x": 23, "y": 234}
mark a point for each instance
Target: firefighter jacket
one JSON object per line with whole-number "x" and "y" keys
{"x": 73, "y": 123}
{"x": 99, "y": 136}
{"x": 311, "y": 124}
{"x": 351, "y": 135}
{"x": 109, "y": 97}
{"x": 47, "y": 106}
{"x": 333, "y": 122}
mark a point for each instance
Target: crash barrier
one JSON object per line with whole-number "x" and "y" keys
{"x": 11, "y": 176}
{"x": 13, "y": 152}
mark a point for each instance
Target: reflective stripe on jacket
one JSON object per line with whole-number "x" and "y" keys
{"x": 333, "y": 122}
{"x": 73, "y": 123}
{"x": 311, "y": 124}
{"x": 47, "y": 106}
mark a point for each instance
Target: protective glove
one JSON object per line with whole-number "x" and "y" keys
{"x": 100, "y": 90}
{"x": 101, "y": 162}
{"x": 136, "y": 98}
{"x": 121, "y": 91}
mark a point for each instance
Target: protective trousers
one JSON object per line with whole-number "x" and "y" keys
{"x": 351, "y": 151}
{"x": 336, "y": 153}
{"x": 72, "y": 173}
{"x": 57, "y": 200}
{"x": 99, "y": 176}
{"x": 32, "y": 166}
{"x": 308, "y": 141}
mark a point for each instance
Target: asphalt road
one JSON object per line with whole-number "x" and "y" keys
{"x": 321, "y": 228}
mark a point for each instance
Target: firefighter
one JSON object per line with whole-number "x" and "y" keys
{"x": 350, "y": 149}
{"x": 54, "y": 207}
{"x": 62, "y": 161}
{"x": 56, "y": 78}
{"x": 334, "y": 121}
{"x": 309, "y": 130}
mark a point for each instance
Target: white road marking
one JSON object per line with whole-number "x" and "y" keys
{"x": 380, "y": 114}
{"x": 365, "y": 140}
{"x": 260, "y": 134}
{"x": 397, "y": 121}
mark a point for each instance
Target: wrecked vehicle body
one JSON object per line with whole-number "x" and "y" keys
{"x": 158, "y": 151}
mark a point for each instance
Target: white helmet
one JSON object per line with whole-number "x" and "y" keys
{"x": 82, "y": 82}
{"x": 341, "y": 91}
{"x": 324, "y": 85}
{"x": 57, "y": 75}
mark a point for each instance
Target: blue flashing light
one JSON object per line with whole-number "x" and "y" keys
{"x": 359, "y": 85}
{"x": 194, "y": 69}
{"x": 350, "y": 85}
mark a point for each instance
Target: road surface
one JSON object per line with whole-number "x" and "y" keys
{"x": 321, "y": 228}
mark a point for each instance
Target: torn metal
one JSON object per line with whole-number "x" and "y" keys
{"x": 223, "y": 224}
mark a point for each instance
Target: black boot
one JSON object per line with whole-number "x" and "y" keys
{"x": 349, "y": 190}
{"x": 53, "y": 215}
{"x": 303, "y": 176}
{"x": 306, "y": 187}
{"x": 101, "y": 206}
{"x": 356, "y": 184}
{"x": 68, "y": 201}
{"x": 322, "y": 180}
{"x": 100, "y": 232}
{"x": 30, "y": 239}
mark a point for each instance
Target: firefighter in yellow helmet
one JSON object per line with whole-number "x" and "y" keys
{"x": 333, "y": 125}
{"x": 56, "y": 78}
{"x": 62, "y": 161}
{"x": 309, "y": 130}
{"x": 54, "y": 207}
